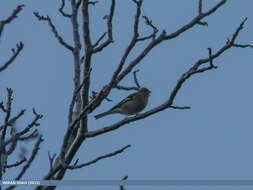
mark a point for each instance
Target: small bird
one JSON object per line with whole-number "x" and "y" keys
{"x": 132, "y": 104}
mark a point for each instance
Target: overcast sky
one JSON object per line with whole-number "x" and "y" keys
{"x": 212, "y": 140}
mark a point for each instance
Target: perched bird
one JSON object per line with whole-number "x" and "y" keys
{"x": 131, "y": 105}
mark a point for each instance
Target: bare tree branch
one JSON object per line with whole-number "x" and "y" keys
{"x": 135, "y": 78}
{"x": 162, "y": 37}
{"x": 99, "y": 39}
{"x": 180, "y": 107}
{"x": 64, "y": 165}
{"x": 105, "y": 91}
{"x": 8, "y": 113}
{"x": 122, "y": 187}
{"x": 66, "y": 156}
{"x": 61, "y": 10}
{"x": 119, "y": 87}
{"x": 193, "y": 70}
{"x": 56, "y": 34}
{"x": 97, "y": 159}
{"x": 109, "y": 31}
{"x": 10, "y": 18}
{"x": 14, "y": 119}
{"x": 2, "y": 107}
{"x": 73, "y": 100}
{"x": 155, "y": 30}
{"x": 12, "y": 147}
{"x": 13, "y": 57}
{"x": 200, "y": 7}
{"x": 78, "y": 3}
{"x": 27, "y": 128}
{"x": 200, "y": 13}
{"x": 94, "y": 94}
{"x": 16, "y": 164}
{"x": 30, "y": 160}
{"x": 33, "y": 135}
{"x": 92, "y": 2}
{"x": 51, "y": 160}
{"x": 243, "y": 45}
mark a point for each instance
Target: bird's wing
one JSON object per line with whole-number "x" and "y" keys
{"x": 128, "y": 98}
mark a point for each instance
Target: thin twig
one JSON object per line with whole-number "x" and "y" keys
{"x": 19, "y": 46}
{"x": 16, "y": 164}
{"x": 12, "y": 121}
{"x": 33, "y": 135}
{"x": 10, "y": 18}
{"x": 27, "y": 128}
{"x": 109, "y": 30}
{"x": 243, "y": 45}
{"x": 97, "y": 159}
{"x": 30, "y": 160}
{"x": 122, "y": 187}
{"x": 56, "y": 34}
{"x": 2, "y": 107}
{"x": 180, "y": 107}
{"x": 99, "y": 39}
{"x": 210, "y": 57}
{"x": 120, "y": 87}
{"x": 155, "y": 30}
{"x": 61, "y": 10}
{"x": 200, "y": 7}
{"x": 135, "y": 78}
{"x": 51, "y": 160}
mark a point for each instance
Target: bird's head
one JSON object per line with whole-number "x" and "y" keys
{"x": 145, "y": 91}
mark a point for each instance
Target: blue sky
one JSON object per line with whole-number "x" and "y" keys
{"x": 213, "y": 140}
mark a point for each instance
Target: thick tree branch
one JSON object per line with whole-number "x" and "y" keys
{"x": 87, "y": 62}
{"x": 73, "y": 100}
{"x": 76, "y": 98}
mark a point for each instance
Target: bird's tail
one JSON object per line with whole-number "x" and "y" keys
{"x": 103, "y": 114}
